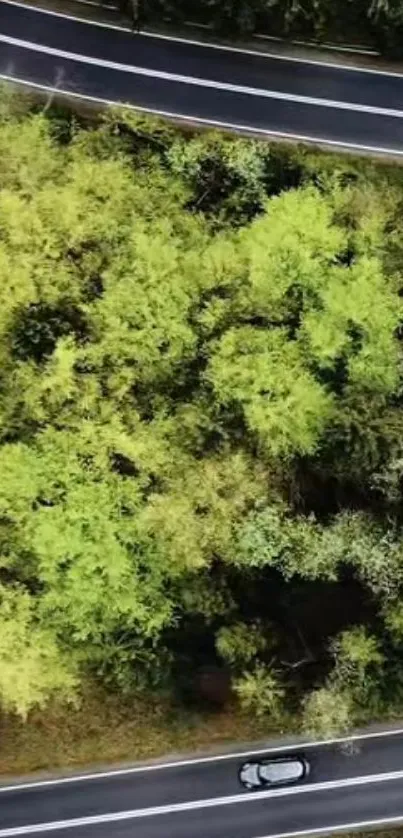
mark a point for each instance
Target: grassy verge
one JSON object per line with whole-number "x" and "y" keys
{"x": 381, "y": 833}
{"x": 105, "y": 729}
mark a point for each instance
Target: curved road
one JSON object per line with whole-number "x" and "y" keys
{"x": 245, "y": 90}
{"x": 203, "y": 799}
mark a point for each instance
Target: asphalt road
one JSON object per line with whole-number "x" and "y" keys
{"x": 244, "y": 90}
{"x": 203, "y": 798}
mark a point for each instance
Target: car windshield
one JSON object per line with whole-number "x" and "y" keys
{"x": 277, "y": 772}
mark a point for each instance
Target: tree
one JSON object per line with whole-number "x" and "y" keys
{"x": 387, "y": 18}
{"x": 272, "y": 537}
{"x": 240, "y": 643}
{"x": 302, "y": 546}
{"x": 200, "y": 409}
{"x": 376, "y": 22}
{"x": 356, "y": 328}
{"x": 393, "y": 614}
{"x": 358, "y": 662}
{"x": 327, "y": 713}
{"x": 289, "y": 253}
{"x": 193, "y": 519}
{"x": 32, "y": 667}
{"x": 263, "y": 373}
{"x": 260, "y": 692}
{"x": 22, "y": 140}
{"x": 331, "y": 710}
{"x": 226, "y": 179}
{"x": 74, "y": 520}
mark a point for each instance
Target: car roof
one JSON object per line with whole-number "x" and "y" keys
{"x": 281, "y": 769}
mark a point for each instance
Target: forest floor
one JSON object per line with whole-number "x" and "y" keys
{"x": 105, "y": 728}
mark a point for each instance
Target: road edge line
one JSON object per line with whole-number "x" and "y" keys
{"x": 196, "y": 81}
{"x": 202, "y": 803}
{"x": 194, "y": 42}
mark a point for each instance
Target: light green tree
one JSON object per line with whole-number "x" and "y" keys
{"x": 32, "y": 666}
{"x": 226, "y": 179}
{"x": 263, "y": 373}
{"x": 240, "y": 643}
{"x": 327, "y": 712}
{"x": 332, "y": 709}
{"x": 260, "y": 692}
{"x": 358, "y": 661}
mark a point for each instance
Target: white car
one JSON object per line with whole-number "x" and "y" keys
{"x": 273, "y": 772}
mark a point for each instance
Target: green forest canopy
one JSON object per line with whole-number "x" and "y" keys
{"x": 201, "y": 417}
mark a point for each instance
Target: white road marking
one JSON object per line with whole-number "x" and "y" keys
{"x": 66, "y": 16}
{"x": 200, "y": 82}
{"x": 363, "y": 50}
{"x": 223, "y": 47}
{"x": 98, "y": 5}
{"x": 191, "y": 805}
{"x": 334, "y": 47}
{"x": 250, "y": 130}
{"x": 344, "y": 827}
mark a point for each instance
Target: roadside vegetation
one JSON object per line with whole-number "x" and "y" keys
{"x": 201, "y": 436}
{"x": 381, "y": 833}
{"x": 377, "y": 22}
